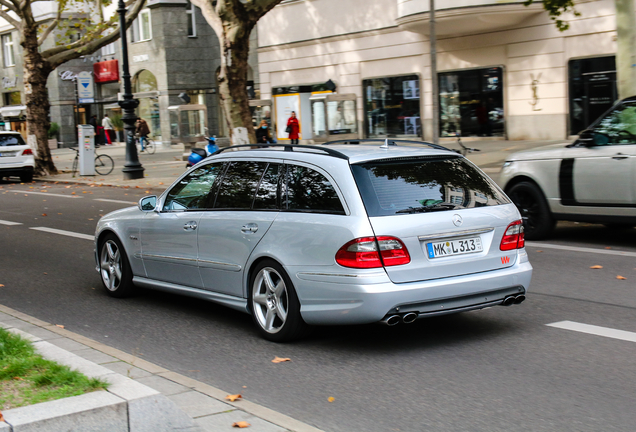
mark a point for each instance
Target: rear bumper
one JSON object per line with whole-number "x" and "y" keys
{"x": 15, "y": 169}
{"x": 343, "y": 302}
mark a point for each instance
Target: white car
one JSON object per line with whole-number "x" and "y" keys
{"x": 16, "y": 157}
{"x": 592, "y": 179}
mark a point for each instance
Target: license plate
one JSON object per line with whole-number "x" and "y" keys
{"x": 8, "y": 154}
{"x": 454, "y": 247}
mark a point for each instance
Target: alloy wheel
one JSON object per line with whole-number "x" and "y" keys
{"x": 110, "y": 265}
{"x": 270, "y": 300}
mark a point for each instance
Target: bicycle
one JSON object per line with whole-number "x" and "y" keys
{"x": 464, "y": 150}
{"x": 104, "y": 164}
{"x": 149, "y": 146}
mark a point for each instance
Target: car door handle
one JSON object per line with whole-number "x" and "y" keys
{"x": 249, "y": 228}
{"x": 619, "y": 156}
{"x": 190, "y": 226}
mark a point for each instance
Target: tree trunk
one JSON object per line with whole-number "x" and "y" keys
{"x": 625, "y": 55}
{"x": 232, "y": 79}
{"x": 36, "y": 72}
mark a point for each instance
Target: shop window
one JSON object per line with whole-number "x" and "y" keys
{"x": 342, "y": 117}
{"x": 7, "y": 50}
{"x": 392, "y": 106}
{"x": 192, "y": 21}
{"x": 13, "y": 98}
{"x": 593, "y": 90}
{"x": 141, "y": 29}
{"x": 144, "y": 81}
{"x": 471, "y": 102}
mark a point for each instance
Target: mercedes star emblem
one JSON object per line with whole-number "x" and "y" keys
{"x": 457, "y": 220}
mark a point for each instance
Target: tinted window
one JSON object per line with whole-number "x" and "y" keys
{"x": 267, "y": 194}
{"x": 238, "y": 185}
{"x": 11, "y": 140}
{"x": 192, "y": 191}
{"x": 418, "y": 185}
{"x": 308, "y": 190}
{"x": 618, "y": 127}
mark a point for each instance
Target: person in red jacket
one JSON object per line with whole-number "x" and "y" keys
{"x": 294, "y": 128}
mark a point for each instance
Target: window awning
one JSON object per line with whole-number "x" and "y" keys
{"x": 13, "y": 110}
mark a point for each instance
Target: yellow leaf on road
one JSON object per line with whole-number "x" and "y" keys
{"x": 596, "y": 267}
{"x": 1, "y": 285}
{"x": 280, "y": 359}
{"x": 331, "y": 398}
{"x": 619, "y": 277}
{"x": 233, "y": 398}
{"x": 59, "y": 325}
{"x": 241, "y": 424}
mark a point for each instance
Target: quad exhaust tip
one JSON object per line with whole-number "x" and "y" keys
{"x": 510, "y": 300}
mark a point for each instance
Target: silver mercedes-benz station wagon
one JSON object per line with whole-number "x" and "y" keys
{"x": 345, "y": 233}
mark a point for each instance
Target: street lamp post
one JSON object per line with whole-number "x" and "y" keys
{"x": 132, "y": 168}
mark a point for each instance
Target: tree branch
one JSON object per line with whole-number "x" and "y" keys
{"x": 88, "y": 44}
{"x": 9, "y": 6}
{"x": 51, "y": 27}
{"x": 210, "y": 14}
{"x": 5, "y": 15}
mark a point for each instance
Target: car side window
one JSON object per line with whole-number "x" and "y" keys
{"x": 618, "y": 127}
{"x": 268, "y": 191}
{"x": 238, "y": 185}
{"x": 191, "y": 193}
{"x": 310, "y": 191}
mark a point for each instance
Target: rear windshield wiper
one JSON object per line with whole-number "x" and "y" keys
{"x": 430, "y": 208}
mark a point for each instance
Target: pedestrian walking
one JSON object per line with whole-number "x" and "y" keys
{"x": 142, "y": 131}
{"x": 263, "y": 135}
{"x": 107, "y": 124}
{"x": 293, "y": 128}
{"x": 93, "y": 122}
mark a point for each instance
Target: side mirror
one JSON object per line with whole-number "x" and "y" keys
{"x": 148, "y": 203}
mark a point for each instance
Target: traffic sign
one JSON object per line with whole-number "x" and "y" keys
{"x": 85, "y": 92}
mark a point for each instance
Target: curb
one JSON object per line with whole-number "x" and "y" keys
{"x": 127, "y": 405}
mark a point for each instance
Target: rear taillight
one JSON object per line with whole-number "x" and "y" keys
{"x": 27, "y": 152}
{"x": 373, "y": 252}
{"x": 513, "y": 238}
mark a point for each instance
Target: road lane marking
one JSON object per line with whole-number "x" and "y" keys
{"x": 595, "y": 330}
{"x": 66, "y": 233}
{"x": 47, "y": 194}
{"x": 580, "y": 249}
{"x": 4, "y": 222}
{"x": 115, "y": 201}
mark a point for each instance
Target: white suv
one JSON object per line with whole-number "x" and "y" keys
{"x": 592, "y": 179}
{"x": 16, "y": 157}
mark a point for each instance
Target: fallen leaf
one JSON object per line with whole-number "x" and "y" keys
{"x": 241, "y": 424}
{"x": 596, "y": 267}
{"x": 619, "y": 277}
{"x": 160, "y": 182}
{"x": 45, "y": 273}
{"x": 1, "y": 417}
{"x": 280, "y": 359}
{"x": 607, "y": 247}
{"x": 18, "y": 378}
{"x": 331, "y": 398}
{"x": 84, "y": 192}
{"x": 67, "y": 187}
{"x": 1, "y": 285}
{"x": 233, "y": 398}
{"x": 43, "y": 214}
{"x": 539, "y": 251}
{"x": 243, "y": 386}
{"x": 72, "y": 193}
{"x": 59, "y": 325}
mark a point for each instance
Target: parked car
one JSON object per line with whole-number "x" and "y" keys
{"x": 592, "y": 179}
{"x": 16, "y": 157}
{"x": 344, "y": 233}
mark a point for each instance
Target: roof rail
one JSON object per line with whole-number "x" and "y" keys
{"x": 288, "y": 147}
{"x": 387, "y": 142}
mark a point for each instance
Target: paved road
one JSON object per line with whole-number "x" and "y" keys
{"x": 499, "y": 369}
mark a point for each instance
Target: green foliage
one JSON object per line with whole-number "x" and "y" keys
{"x": 37, "y": 379}
{"x": 118, "y": 123}
{"x": 54, "y": 130}
{"x": 555, "y": 9}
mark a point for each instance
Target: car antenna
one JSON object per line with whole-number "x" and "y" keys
{"x": 386, "y": 144}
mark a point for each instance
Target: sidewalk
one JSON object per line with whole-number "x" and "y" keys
{"x": 163, "y": 167}
{"x": 158, "y": 399}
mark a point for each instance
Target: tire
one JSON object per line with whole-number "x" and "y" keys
{"x": 274, "y": 304}
{"x": 26, "y": 176}
{"x": 74, "y": 168}
{"x": 538, "y": 222}
{"x": 104, "y": 164}
{"x": 114, "y": 268}
{"x": 150, "y": 146}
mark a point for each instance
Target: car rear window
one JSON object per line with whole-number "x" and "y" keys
{"x": 420, "y": 185}
{"x": 11, "y": 140}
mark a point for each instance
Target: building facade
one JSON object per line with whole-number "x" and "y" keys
{"x": 172, "y": 52}
{"x": 504, "y": 70}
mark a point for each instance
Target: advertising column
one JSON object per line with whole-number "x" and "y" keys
{"x": 86, "y": 135}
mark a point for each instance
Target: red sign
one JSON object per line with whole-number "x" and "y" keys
{"x": 106, "y": 71}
